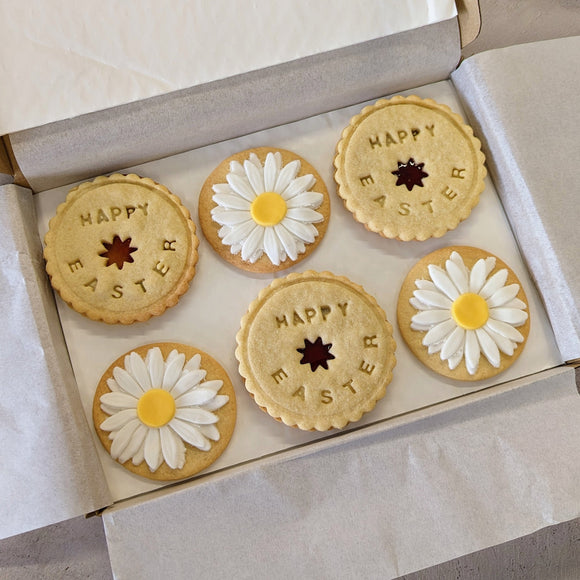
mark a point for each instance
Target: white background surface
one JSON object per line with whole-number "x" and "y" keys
{"x": 78, "y": 57}
{"x": 209, "y": 314}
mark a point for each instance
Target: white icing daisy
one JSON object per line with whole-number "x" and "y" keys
{"x": 267, "y": 209}
{"x": 467, "y": 314}
{"x": 155, "y": 406}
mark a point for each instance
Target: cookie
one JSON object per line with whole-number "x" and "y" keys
{"x": 463, "y": 313}
{"x": 121, "y": 249}
{"x": 165, "y": 411}
{"x": 409, "y": 168}
{"x": 264, "y": 209}
{"x": 316, "y": 351}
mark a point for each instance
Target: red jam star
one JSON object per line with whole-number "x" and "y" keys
{"x": 410, "y": 174}
{"x": 315, "y": 354}
{"x": 118, "y": 252}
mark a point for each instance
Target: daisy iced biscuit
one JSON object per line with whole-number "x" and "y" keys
{"x": 264, "y": 209}
{"x": 463, "y": 313}
{"x": 165, "y": 411}
{"x": 316, "y": 351}
{"x": 121, "y": 249}
{"x": 409, "y": 168}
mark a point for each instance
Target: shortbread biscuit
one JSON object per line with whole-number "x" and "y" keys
{"x": 409, "y": 168}
{"x": 264, "y": 209}
{"x": 463, "y": 313}
{"x": 121, "y": 249}
{"x": 316, "y": 351}
{"x": 165, "y": 411}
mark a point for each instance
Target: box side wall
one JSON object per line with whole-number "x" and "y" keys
{"x": 68, "y": 151}
{"x": 56, "y": 475}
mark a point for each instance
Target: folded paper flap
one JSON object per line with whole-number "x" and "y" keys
{"x": 57, "y": 475}
{"x": 400, "y": 488}
{"x": 522, "y": 101}
{"x": 68, "y": 151}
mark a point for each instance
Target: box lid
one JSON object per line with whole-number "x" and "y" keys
{"x": 54, "y": 50}
{"x": 384, "y": 501}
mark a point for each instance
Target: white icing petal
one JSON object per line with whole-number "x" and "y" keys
{"x": 431, "y": 298}
{"x": 418, "y": 305}
{"x": 506, "y": 330}
{"x": 430, "y": 317}
{"x": 172, "y": 448}
{"x": 458, "y": 275}
{"x": 253, "y": 244}
{"x": 510, "y": 315}
{"x": 186, "y": 382}
{"x": 156, "y": 366}
{"x": 123, "y": 436}
{"x": 494, "y": 283}
{"x": 270, "y": 173}
{"x": 135, "y": 444}
{"x": 255, "y": 177}
{"x": 226, "y": 217}
{"x": 516, "y": 303}
{"x": 193, "y": 363}
{"x": 305, "y": 232}
{"x": 488, "y": 347}
{"x": 118, "y": 420}
{"x": 222, "y": 188}
{"x": 119, "y": 400}
{"x": 213, "y": 385}
{"x": 113, "y": 386}
{"x": 190, "y": 434}
{"x": 454, "y": 360}
{"x": 435, "y": 347}
{"x": 439, "y": 332}
{"x": 199, "y": 416}
{"x": 236, "y": 167}
{"x": 195, "y": 397}
{"x": 472, "y": 352}
{"x": 127, "y": 382}
{"x": 241, "y": 186}
{"x": 443, "y": 282}
{"x": 231, "y": 201}
{"x": 307, "y": 199}
{"x": 287, "y": 240}
{"x": 425, "y": 285}
{"x": 489, "y": 265}
{"x": 140, "y": 372}
{"x": 304, "y": 214}
{"x": 287, "y": 174}
{"x": 152, "y": 449}
{"x": 504, "y": 295}
{"x": 239, "y": 233}
{"x": 173, "y": 370}
{"x": 297, "y": 186}
{"x": 272, "y": 245}
{"x": 216, "y": 403}
{"x": 453, "y": 343}
{"x": 504, "y": 344}
{"x": 210, "y": 431}
{"x": 139, "y": 456}
{"x": 477, "y": 277}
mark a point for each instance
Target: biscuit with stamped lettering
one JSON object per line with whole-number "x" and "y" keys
{"x": 264, "y": 209}
{"x": 409, "y": 168}
{"x": 463, "y": 313}
{"x": 316, "y": 351}
{"x": 165, "y": 411}
{"x": 121, "y": 249}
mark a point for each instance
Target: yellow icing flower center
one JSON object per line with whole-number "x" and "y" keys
{"x": 268, "y": 209}
{"x": 470, "y": 311}
{"x": 156, "y": 408}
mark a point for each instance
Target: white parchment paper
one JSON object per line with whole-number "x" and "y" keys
{"x": 209, "y": 313}
{"x": 76, "y": 58}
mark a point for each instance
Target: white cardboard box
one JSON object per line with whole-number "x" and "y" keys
{"x": 307, "y": 479}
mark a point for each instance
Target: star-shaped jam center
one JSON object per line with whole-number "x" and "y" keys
{"x": 316, "y": 354}
{"x": 118, "y": 252}
{"x": 410, "y": 174}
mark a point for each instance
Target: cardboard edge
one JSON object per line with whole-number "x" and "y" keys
{"x": 469, "y": 16}
{"x": 6, "y": 171}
